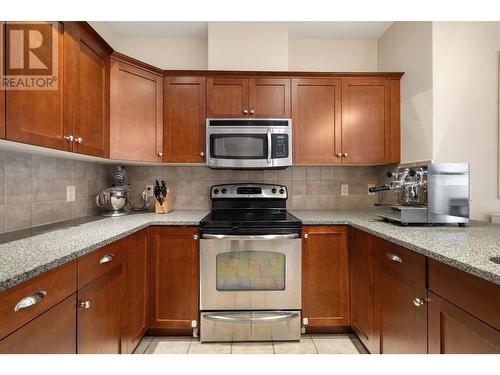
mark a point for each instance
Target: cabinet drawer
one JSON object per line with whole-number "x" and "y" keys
{"x": 30, "y": 299}
{"x": 477, "y": 296}
{"x": 403, "y": 261}
{"x": 93, "y": 265}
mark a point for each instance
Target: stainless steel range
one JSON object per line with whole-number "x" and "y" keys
{"x": 250, "y": 266}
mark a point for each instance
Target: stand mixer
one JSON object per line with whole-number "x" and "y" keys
{"x": 115, "y": 198}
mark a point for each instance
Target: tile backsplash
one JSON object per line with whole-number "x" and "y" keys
{"x": 308, "y": 187}
{"x": 33, "y": 189}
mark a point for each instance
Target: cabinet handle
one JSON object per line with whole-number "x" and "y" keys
{"x": 306, "y": 236}
{"x": 418, "y": 302}
{"x": 339, "y": 155}
{"x": 252, "y": 111}
{"x": 69, "y": 138}
{"x": 79, "y": 140}
{"x": 86, "y": 304}
{"x": 345, "y": 154}
{"x": 30, "y": 300}
{"x": 245, "y": 111}
{"x": 202, "y": 154}
{"x": 195, "y": 237}
{"x": 394, "y": 258}
{"x": 160, "y": 154}
{"x": 106, "y": 258}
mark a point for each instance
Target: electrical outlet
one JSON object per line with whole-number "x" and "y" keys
{"x": 370, "y": 186}
{"x": 149, "y": 190}
{"x": 70, "y": 193}
{"x": 344, "y": 189}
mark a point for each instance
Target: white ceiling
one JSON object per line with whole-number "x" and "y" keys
{"x": 297, "y": 30}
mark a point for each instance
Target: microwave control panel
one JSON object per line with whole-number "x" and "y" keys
{"x": 279, "y": 146}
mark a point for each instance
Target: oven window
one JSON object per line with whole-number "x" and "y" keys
{"x": 238, "y": 146}
{"x": 250, "y": 270}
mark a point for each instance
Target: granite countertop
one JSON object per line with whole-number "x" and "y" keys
{"x": 24, "y": 257}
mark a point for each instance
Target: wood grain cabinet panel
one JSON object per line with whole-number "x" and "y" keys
{"x": 454, "y": 331}
{"x": 184, "y": 119}
{"x": 90, "y": 94}
{"x": 53, "y": 332}
{"x": 137, "y": 291}
{"x": 325, "y": 278}
{"x": 136, "y": 112}
{"x": 227, "y": 97}
{"x": 269, "y": 97}
{"x": 361, "y": 285}
{"x": 316, "y": 120}
{"x": 174, "y": 279}
{"x": 2, "y": 91}
{"x": 43, "y": 117}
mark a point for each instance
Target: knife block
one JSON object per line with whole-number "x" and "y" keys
{"x": 166, "y": 207}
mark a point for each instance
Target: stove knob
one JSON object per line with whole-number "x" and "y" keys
{"x": 224, "y": 191}
{"x": 273, "y": 190}
{"x": 282, "y": 191}
{"x": 216, "y": 191}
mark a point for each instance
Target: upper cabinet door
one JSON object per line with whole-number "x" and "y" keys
{"x": 227, "y": 97}
{"x": 42, "y": 117}
{"x": 366, "y": 121}
{"x": 136, "y": 113}
{"x": 2, "y": 91}
{"x": 269, "y": 97}
{"x": 184, "y": 119}
{"x": 316, "y": 116}
{"x": 91, "y": 95}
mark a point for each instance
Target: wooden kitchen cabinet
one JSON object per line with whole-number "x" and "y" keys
{"x": 184, "y": 112}
{"x": 43, "y": 117}
{"x": 136, "y": 110}
{"x": 248, "y": 97}
{"x": 400, "y": 307}
{"x": 316, "y": 120}
{"x": 137, "y": 290}
{"x": 2, "y": 91}
{"x": 53, "y": 332}
{"x": 325, "y": 277}
{"x": 361, "y": 285}
{"x": 174, "y": 279}
{"x": 90, "y": 92}
{"x": 101, "y": 302}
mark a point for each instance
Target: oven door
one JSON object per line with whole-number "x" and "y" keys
{"x": 261, "y": 272}
{"x": 248, "y": 147}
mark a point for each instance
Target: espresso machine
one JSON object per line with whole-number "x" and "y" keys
{"x": 426, "y": 193}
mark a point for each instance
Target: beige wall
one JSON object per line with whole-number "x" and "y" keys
{"x": 247, "y": 46}
{"x": 337, "y": 55}
{"x": 466, "y": 103}
{"x": 407, "y": 47}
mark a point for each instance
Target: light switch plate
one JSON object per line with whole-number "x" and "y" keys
{"x": 70, "y": 193}
{"x": 370, "y": 186}
{"x": 149, "y": 190}
{"x": 344, "y": 189}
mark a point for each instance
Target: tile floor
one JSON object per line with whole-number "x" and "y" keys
{"x": 310, "y": 344}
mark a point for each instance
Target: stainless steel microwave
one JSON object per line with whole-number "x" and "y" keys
{"x": 249, "y": 143}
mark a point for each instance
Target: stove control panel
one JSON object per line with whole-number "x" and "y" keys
{"x": 249, "y": 191}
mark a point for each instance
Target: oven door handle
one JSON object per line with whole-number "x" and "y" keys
{"x": 269, "y": 146}
{"x": 250, "y": 237}
{"x": 228, "y": 317}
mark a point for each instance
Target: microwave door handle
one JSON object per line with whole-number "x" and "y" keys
{"x": 250, "y": 237}
{"x": 269, "y": 146}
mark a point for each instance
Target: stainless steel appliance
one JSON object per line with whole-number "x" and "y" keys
{"x": 427, "y": 193}
{"x": 250, "y": 266}
{"x": 115, "y": 198}
{"x": 249, "y": 143}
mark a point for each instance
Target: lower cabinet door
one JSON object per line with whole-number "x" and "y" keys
{"x": 400, "y": 313}
{"x": 53, "y": 332}
{"x": 99, "y": 314}
{"x": 325, "y": 277}
{"x": 453, "y": 331}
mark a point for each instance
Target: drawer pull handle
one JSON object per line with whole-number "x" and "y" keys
{"x": 394, "y": 258}
{"x": 106, "y": 258}
{"x": 86, "y": 304}
{"x": 418, "y": 302}
{"x": 30, "y": 300}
